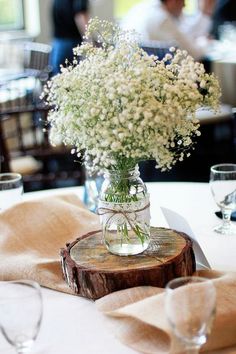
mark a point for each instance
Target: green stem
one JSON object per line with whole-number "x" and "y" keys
{"x": 119, "y": 192}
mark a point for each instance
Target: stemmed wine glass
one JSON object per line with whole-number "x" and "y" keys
{"x": 190, "y": 305}
{"x": 20, "y": 313}
{"x": 223, "y": 188}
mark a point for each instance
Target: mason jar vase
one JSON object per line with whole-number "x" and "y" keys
{"x": 124, "y": 211}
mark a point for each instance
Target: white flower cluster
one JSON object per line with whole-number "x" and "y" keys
{"x": 119, "y": 105}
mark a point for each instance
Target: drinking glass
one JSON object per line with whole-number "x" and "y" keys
{"x": 92, "y": 187}
{"x": 223, "y": 188}
{"x": 190, "y": 305}
{"x": 11, "y": 189}
{"x": 20, "y": 313}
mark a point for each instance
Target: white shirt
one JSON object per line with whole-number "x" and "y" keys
{"x": 154, "y": 23}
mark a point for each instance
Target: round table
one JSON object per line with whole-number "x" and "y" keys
{"x": 72, "y": 325}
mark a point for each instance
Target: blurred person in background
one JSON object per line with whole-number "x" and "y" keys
{"x": 163, "y": 20}
{"x": 69, "y": 18}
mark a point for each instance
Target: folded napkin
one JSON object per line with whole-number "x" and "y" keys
{"x": 32, "y": 233}
{"x": 137, "y": 316}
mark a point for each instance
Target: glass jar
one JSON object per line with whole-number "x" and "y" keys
{"x": 124, "y": 211}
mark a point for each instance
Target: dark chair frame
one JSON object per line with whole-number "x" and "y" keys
{"x": 40, "y": 149}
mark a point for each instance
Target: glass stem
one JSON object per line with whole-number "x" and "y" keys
{"x": 23, "y": 349}
{"x": 226, "y": 214}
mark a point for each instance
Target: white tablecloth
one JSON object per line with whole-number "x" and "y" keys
{"x": 72, "y": 325}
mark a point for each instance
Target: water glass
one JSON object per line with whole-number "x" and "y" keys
{"x": 92, "y": 187}
{"x": 223, "y": 189}
{"x": 20, "y": 313}
{"x": 11, "y": 189}
{"x": 190, "y": 306}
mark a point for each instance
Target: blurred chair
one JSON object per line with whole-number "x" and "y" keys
{"x": 225, "y": 70}
{"x": 36, "y": 66}
{"x": 36, "y": 59}
{"x": 24, "y": 143}
{"x": 24, "y": 59}
{"x": 24, "y": 86}
{"x": 217, "y": 144}
{"x": 25, "y": 149}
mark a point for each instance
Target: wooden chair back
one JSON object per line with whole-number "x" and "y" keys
{"x": 36, "y": 58}
{"x": 25, "y": 148}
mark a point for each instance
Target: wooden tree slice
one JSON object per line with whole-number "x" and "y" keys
{"x": 91, "y": 271}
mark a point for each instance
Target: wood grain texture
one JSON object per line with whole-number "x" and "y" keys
{"x": 91, "y": 271}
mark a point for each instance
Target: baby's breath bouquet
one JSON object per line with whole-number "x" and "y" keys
{"x": 120, "y": 106}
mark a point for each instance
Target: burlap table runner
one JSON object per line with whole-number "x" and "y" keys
{"x": 32, "y": 234}
{"x": 137, "y": 317}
